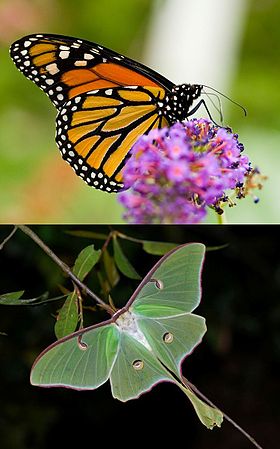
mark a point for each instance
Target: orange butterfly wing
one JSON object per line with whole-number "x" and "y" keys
{"x": 105, "y": 102}
{"x": 65, "y": 67}
{"x": 96, "y": 130}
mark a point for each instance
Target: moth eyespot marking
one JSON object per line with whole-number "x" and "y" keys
{"x": 168, "y": 337}
{"x": 82, "y": 345}
{"x": 158, "y": 283}
{"x": 138, "y": 365}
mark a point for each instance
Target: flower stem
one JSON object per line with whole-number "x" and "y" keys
{"x": 222, "y": 219}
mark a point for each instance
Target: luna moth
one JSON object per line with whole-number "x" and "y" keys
{"x": 143, "y": 343}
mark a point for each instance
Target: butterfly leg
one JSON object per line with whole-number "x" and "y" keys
{"x": 197, "y": 106}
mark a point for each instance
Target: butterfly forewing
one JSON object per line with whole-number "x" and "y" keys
{"x": 173, "y": 286}
{"x": 79, "y": 361}
{"x": 65, "y": 67}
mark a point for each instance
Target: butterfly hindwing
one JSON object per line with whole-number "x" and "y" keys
{"x": 136, "y": 369}
{"x": 173, "y": 338}
{"x": 95, "y": 131}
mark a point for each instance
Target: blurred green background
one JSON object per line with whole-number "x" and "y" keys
{"x": 37, "y": 186}
{"x": 236, "y": 365}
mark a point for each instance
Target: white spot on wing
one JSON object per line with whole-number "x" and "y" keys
{"x": 80, "y": 63}
{"x": 64, "y": 54}
{"x": 88, "y": 56}
{"x": 52, "y": 68}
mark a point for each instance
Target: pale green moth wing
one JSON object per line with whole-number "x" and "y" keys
{"x": 173, "y": 338}
{"x": 143, "y": 343}
{"x": 173, "y": 286}
{"x": 82, "y": 360}
{"x": 161, "y": 309}
{"x": 135, "y": 370}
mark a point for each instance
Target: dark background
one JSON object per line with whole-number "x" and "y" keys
{"x": 237, "y": 364}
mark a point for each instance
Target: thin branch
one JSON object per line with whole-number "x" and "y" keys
{"x": 8, "y": 238}
{"x": 64, "y": 267}
{"x": 231, "y": 421}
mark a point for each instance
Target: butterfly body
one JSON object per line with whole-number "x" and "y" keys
{"x": 105, "y": 101}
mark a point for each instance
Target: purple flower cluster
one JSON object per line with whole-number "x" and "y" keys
{"x": 174, "y": 173}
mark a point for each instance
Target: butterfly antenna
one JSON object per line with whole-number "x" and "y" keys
{"x": 218, "y": 109}
{"x": 228, "y": 98}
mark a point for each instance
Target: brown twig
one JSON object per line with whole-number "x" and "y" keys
{"x": 64, "y": 267}
{"x": 188, "y": 384}
{"x": 8, "y": 238}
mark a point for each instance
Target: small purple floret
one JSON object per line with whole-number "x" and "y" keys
{"x": 175, "y": 173}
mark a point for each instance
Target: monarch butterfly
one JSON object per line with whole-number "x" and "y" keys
{"x": 105, "y": 101}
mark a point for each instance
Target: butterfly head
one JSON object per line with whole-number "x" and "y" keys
{"x": 179, "y": 101}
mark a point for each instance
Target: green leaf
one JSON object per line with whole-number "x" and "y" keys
{"x": 68, "y": 317}
{"x": 216, "y": 248}
{"x": 123, "y": 263}
{"x": 110, "y": 268}
{"x": 13, "y": 299}
{"x": 158, "y": 248}
{"x": 88, "y": 234}
{"x": 85, "y": 261}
